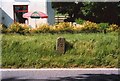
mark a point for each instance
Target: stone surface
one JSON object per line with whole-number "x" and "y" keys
{"x": 60, "y": 45}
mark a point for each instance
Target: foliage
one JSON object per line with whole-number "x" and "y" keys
{"x": 93, "y": 11}
{"x": 90, "y": 27}
{"x": 61, "y": 7}
{"x": 18, "y": 28}
{"x": 103, "y": 26}
{"x": 79, "y": 21}
{"x": 63, "y": 27}
{"x": 45, "y": 28}
{"x": 78, "y": 28}
{"x": 3, "y": 28}
{"x": 113, "y": 27}
{"x": 83, "y": 50}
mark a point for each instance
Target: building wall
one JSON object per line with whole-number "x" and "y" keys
{"x": 33, "y": 5}
{"x": 0, "y": 15}
{"x": 51, "y": 12}
{"x": 37, "y": 5}
{"x": 7, "y": 13}
{"x": 0, "y": 12}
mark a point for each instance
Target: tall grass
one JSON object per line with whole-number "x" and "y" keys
{"x": 38, "y": 51}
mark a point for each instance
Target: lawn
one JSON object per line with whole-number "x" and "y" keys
{"x": 38, "y": 51}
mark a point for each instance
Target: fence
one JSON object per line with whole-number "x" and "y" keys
{"x": 60, "y": 18}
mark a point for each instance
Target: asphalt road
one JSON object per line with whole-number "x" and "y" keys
{"x": 60, "y": 74}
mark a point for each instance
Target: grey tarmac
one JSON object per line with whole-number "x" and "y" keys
{"x": 61, "y": 74}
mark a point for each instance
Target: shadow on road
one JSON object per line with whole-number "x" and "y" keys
{"x": 81, "y": 77}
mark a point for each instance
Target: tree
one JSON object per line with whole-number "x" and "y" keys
{"x": 93, "y": 11}
{"x": 70, "y": 8}
{"x": 102, "y": 12}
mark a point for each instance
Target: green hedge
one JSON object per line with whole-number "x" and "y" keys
{"x": 64, "y": 27}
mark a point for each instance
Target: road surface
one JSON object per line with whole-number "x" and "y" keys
{"x": 96, "y": 74}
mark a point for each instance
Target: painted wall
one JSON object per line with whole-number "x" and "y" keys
{"x": 51, "y": 12}
{"x": 7, "y": 13}
{"x": 0, "y": 12}
{"x": 37, "y": 5}
{"x": 33, "y": 5}
{"x": 0, "y": 15}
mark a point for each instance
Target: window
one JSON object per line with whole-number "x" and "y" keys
{"x": 19, "y": 10}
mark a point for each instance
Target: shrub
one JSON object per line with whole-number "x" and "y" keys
{"x": 33, "y": 30}
{"x": 113, "y": 27}
{"x": 90, "y": 27}
{"x": 3, "y": 28}
{"x": 25, "y": 28}
{"x": 45, "y": 28}
{"x": 14, "y": 28}
{"x": 103, "y": 26}
{"x": 18, "y": 28}
{"x": 79, "y": 21}
{"x": 77, "y": 28}
{"x": 63, "y": 27}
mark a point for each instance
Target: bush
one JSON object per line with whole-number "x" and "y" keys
{"x": 63, "y": 27}
{"x": 79, "y": 21}
{"x": 25, "y": 28}
{"x": 103, "y": 26}
{"x": 45, "y": 28}
{"x": 78, "y": 28}
{"x": 113, "y": 27}
{"x": 18, "y": 28}
{"x": 3, "y": 28}
{"x": 90, "y": 27}
{"x": 14, "y": 28}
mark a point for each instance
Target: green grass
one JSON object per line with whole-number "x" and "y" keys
{"x": 38, "y": 51}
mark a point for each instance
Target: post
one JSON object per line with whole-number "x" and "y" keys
{"x": 60, "y": 45}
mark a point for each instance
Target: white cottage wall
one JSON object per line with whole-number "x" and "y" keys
{"x": 0, "y": 12}
{"x": 0, "y": 16}
{"x": 7, "y": 12}
{"x": 33, "y": 5}
{"x": 37, "y": 5}
{"x": 50, "y": 12}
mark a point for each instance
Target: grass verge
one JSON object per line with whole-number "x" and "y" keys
{"x": 38, "y": 51}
